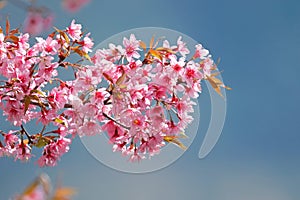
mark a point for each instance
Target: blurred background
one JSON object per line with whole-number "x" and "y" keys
{"x": 258, "y": 154}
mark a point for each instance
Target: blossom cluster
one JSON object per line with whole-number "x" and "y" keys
{"x": 150, "y": 92}
{"x": 40, "y": 18}
{"x": 140, "y": 96}
{"x": 27, "y": 72}
{"x": 37, "y": 22}
{"x": 74, "y": 5}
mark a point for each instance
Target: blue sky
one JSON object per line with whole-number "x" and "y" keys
{"x": 258, "y": 154}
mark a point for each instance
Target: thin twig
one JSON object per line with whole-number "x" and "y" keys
{"x": 26, "y": 133}
{"x": 114, "y": 120}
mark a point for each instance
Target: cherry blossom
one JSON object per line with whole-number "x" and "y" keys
{"x": 74, "y": 5}
{"x": 53, "y": 151}
{"x": 181, "y": 47}
{"x": 35, "y": 23}
{"x": 141, "y": 97}
{"x": 200, "y": 52}
{"x": 74, "y": 30}
{"x": 131, "y": 46}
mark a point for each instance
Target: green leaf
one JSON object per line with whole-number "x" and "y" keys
{"x": 41, "y": 142}
{"x": 59, "y": 121}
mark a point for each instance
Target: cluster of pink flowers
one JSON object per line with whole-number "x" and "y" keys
{"x": 27, "y": 72}
{"x": 140, "y": 96}
{"x": 40, "y": 18}
{"x": 37, "y": 22}
{"x": 74, "y": 5}
{"x": 148, "y": 100}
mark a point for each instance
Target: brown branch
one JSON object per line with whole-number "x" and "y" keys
{"x": 27, "y": 134}
{"x": 115, "y": 121}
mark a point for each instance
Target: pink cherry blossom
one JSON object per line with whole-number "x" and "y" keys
{"x": 47, "y": 116}
{"x": 58, "y": 97}
{"x": 89, "y": 128}
{"x": 49, "y": 157}
{"x": 10, "y": 139}
{"x": 48, "y": 21}
{"x": 114, "y": 133}
{"x": 131, "y": 46}
{"x": 74, "y": 31}
{"x": 177, "y": 67}
{"x": 14, "y": 112}
{"x": 181, "y": 47}
{"x": 48, "y": 46}
{"x": 100, "y": 96}
{"x": 87, "y": 44}
{"x": 115, "y": 52}
{"x": 86, "y": 79}
{"x": 63, "y": 145}
{"x": 74, "y": 5}
{"x": 200, "y": 52}
{"x": 34, "y": 23}
{"x": 207, "y": 65}
{"x": 192, "y": 74}
{"x": 136, "y": 157}
{"x": 152, "y": 145}
{"x": 194, "y": 90}
{"x": 53, "y": 151}
{"x": 23, "y": 152}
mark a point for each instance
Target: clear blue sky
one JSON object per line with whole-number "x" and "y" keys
{"x": 258, "y": 154}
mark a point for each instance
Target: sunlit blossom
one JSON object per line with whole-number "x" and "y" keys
{"x": 142, "y": 99}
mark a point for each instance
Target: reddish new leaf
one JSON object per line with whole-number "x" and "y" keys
{"x": 7, "y": 26}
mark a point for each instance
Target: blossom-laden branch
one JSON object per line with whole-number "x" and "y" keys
{"x": 27, "y": 73}
{"x": 147, "y": 103}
